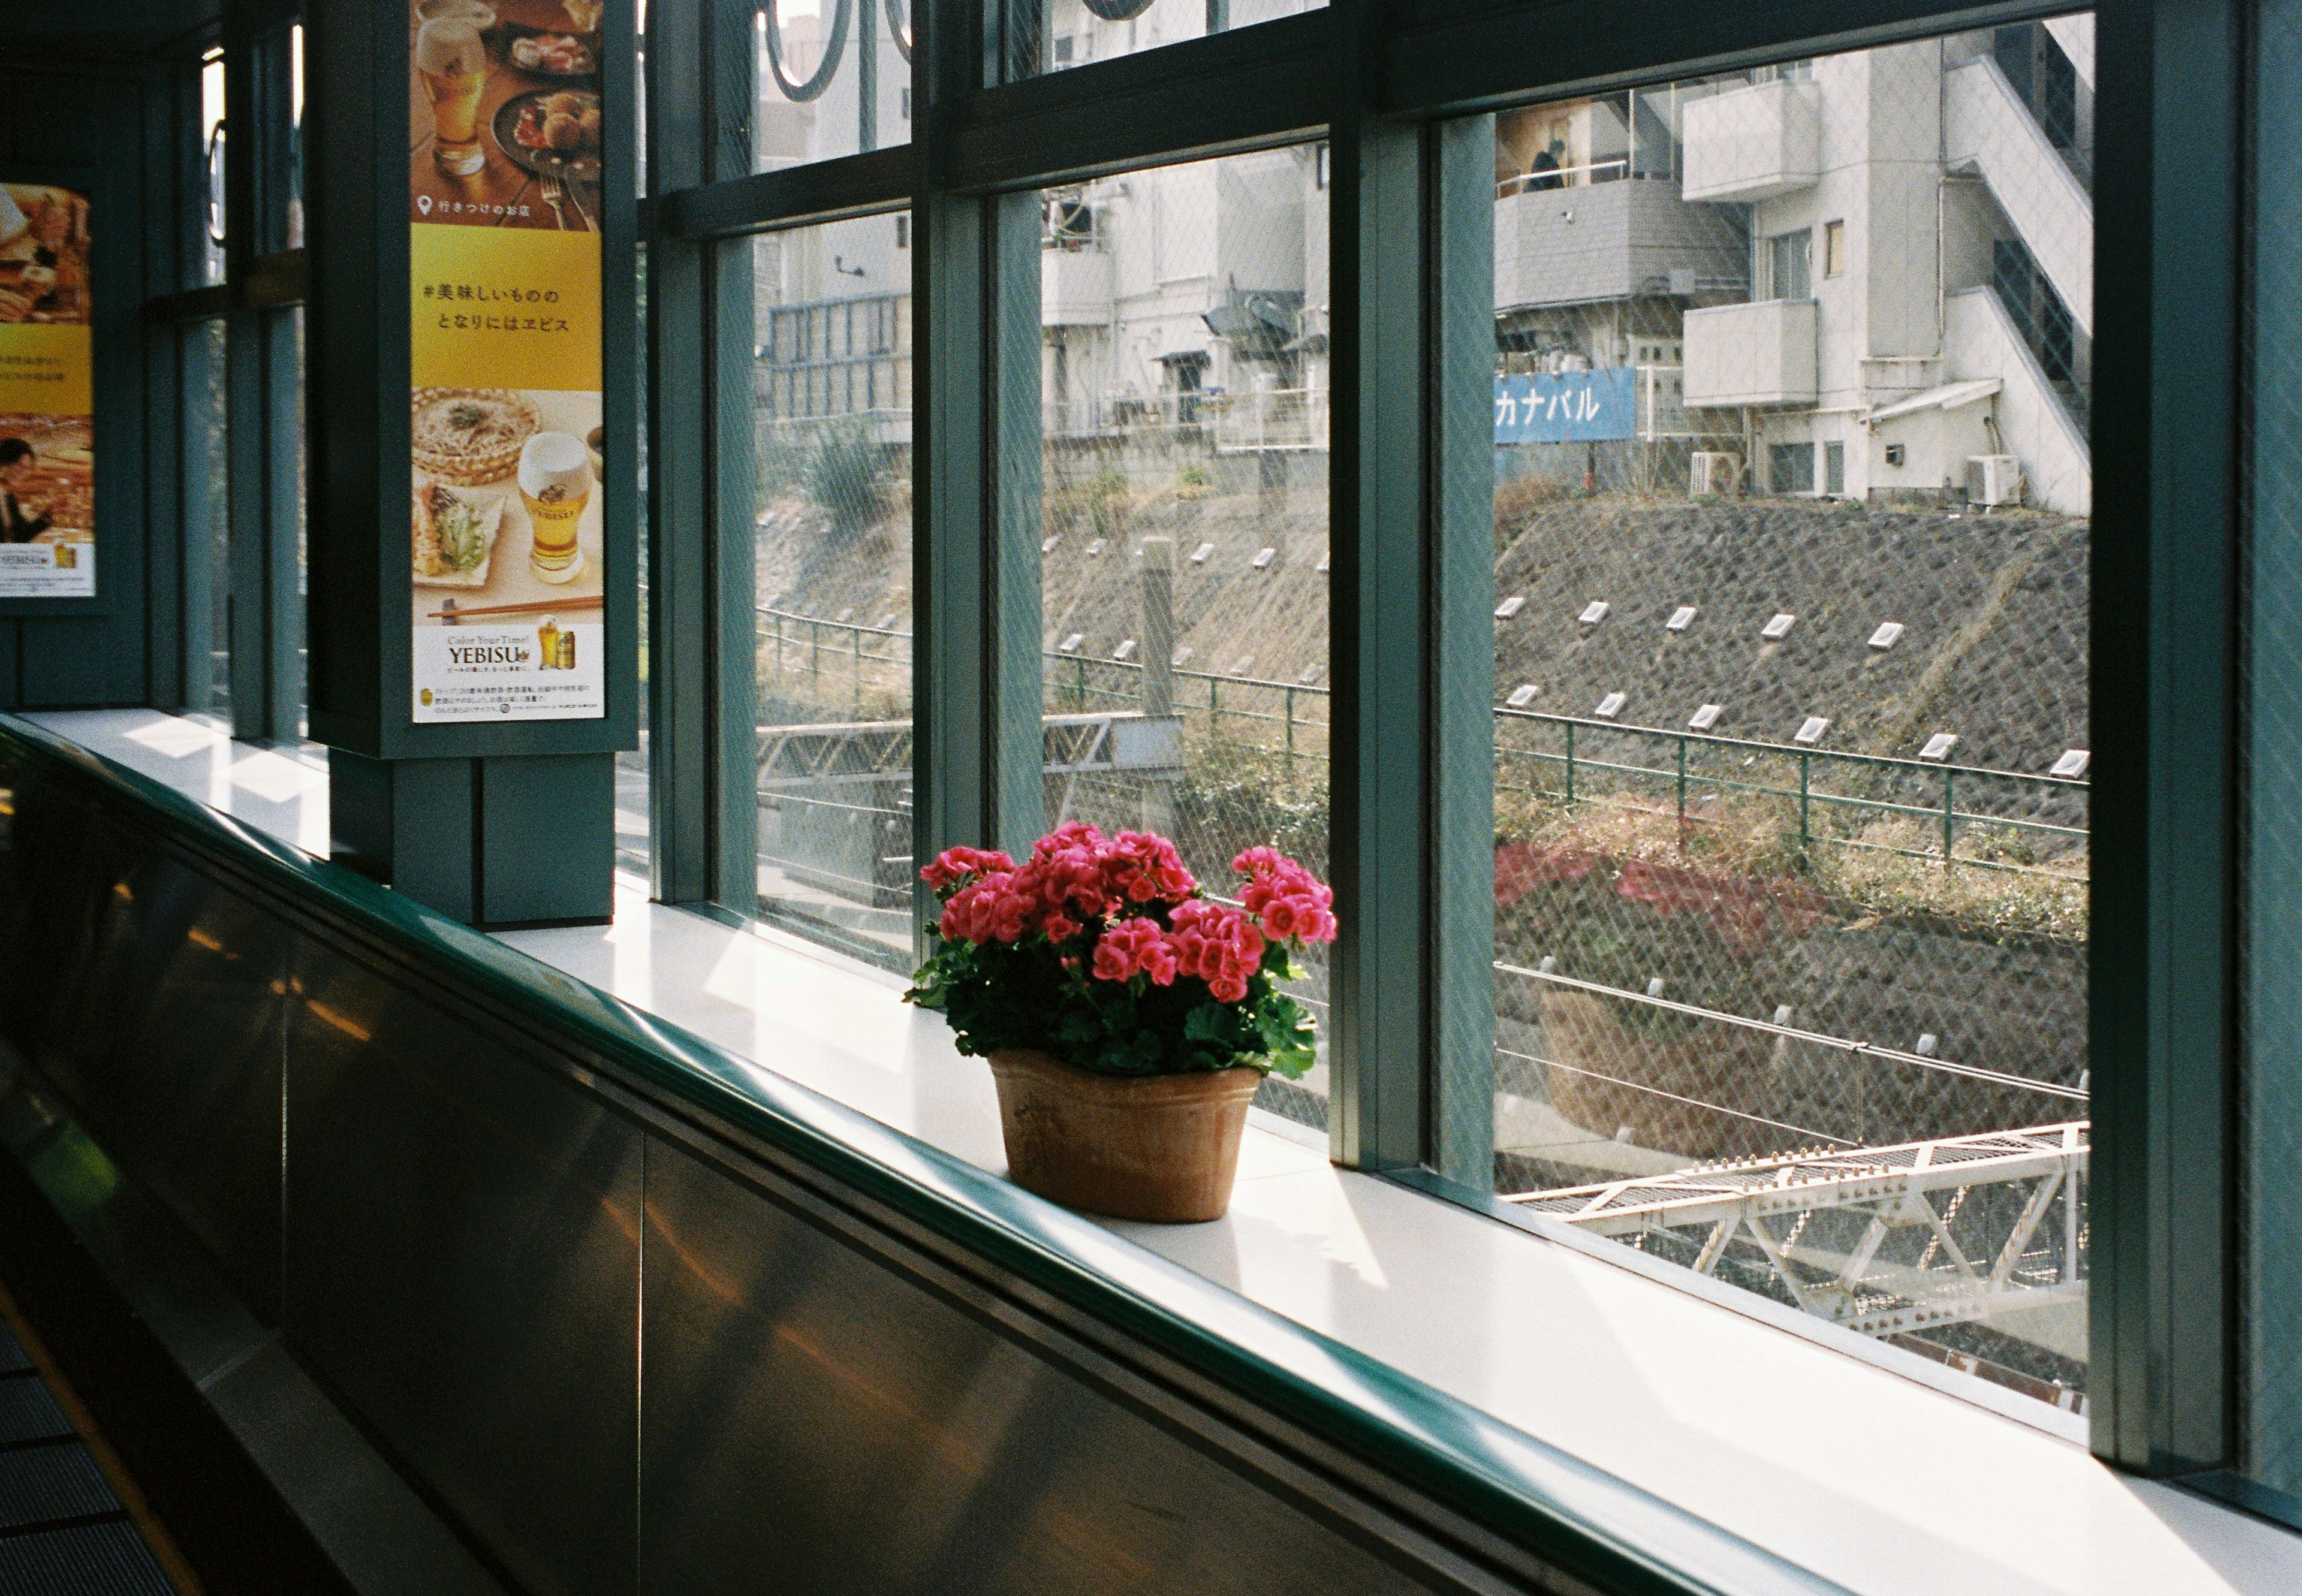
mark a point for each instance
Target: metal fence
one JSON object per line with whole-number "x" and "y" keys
{"x": 1825, "y": 792}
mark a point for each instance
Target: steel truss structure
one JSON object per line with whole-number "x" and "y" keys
{"x": 1882, "y": 1240}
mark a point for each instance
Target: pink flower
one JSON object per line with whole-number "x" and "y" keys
{"x": 1130, "y": 947}
{"x": 988, "y": 909}
{"x": 953, "y": 864}
{"x": 1142, "y": 867}
{"x": 1289, "y": 901}
{"x": 1218, "y": 944}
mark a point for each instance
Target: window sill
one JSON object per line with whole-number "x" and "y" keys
{"x": 1833, "y": 1457}
{"x": 1875, "y": 1477}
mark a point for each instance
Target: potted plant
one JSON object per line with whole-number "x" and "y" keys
{"x": 1128, "y": 1017}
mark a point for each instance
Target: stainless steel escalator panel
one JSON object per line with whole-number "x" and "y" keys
{"x": 177, "y": 1073}
{"x": 463, "y": 1266}
{"x": 818, "y": 1422}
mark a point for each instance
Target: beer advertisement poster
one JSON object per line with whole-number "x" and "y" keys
{"x": 47, "y": 407}
{"x": 505, "y": 412}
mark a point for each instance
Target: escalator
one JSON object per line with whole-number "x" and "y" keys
{"x": 624, "y": 1313}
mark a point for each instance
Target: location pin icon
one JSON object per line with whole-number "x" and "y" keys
{"x": 423, "y": 204}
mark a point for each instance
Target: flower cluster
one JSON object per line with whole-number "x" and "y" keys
{"x": 1075, "y": 877}
{"x": 1104, "y": 950}
{"x": 1219, "y": 944}
{"x": 1286, "y": 898}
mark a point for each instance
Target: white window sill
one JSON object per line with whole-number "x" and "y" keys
{"x": 1846, "y": 1463}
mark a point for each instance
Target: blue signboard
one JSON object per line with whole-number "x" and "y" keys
{"x": 1575, "y": 407}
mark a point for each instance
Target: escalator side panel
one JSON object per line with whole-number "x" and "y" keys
{"x": 463, "y": 1267}
{"x": 815, "y": 1415}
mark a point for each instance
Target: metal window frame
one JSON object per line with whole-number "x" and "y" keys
{"x": 1390, "y": 86}
{"x": 257, "y": 303}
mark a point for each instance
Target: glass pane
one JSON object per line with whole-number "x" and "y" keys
{"x": 1791, "y": 848}
{"x": 831, "y": 337}
{"x": 1049, "y": 36}
{"x": 208, "y": 523}
{"x": 833, "y": 77}
{"x": 1183, "y": 470}
{"x": 2271, "y": 1107}
{"x": 210, "y": 245}
{"x": 633, "y": 834}
{"x": 294, "y": 237}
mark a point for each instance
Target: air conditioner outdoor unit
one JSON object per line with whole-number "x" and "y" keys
{"x": 1711, "y": 476}
{"x": 1994, "y": 479}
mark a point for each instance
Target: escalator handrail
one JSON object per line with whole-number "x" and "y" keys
{"x": 1531, "y": 1493}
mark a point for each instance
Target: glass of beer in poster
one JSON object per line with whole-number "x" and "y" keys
{"x": 555, "y": 483}
{"x": 452, "y": 59}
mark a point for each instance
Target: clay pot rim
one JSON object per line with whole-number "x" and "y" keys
{"x": 1167, "y": 1083}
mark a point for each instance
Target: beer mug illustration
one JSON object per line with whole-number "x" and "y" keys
{"x": 555, "y": 483}
{"x": 547, "y": 644}
{"x": 452, "y": 59}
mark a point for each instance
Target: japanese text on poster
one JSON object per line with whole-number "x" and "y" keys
{"x": 505, "y": 358}
{"x": 47, "y": 406}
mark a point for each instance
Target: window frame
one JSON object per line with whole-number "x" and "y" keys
{"x": 257, "y": 302}
{"x": 1398, "y": 96}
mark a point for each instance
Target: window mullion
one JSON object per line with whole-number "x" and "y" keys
{"x": 1463, "y": 650}
{"x": 1382, "y": 842}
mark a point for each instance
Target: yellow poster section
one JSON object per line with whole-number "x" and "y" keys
{"x": 504, "y": 307}
{"x": 45, "y": 371}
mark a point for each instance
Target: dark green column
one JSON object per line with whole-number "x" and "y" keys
{"x": 497, "y": 823}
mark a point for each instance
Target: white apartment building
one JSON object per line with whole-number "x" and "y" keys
{"x": 1867, "y": 275}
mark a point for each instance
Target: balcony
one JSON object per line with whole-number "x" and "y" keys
{"x": 1754, "y": 143}
{"x": 1074, "y": 287}
{"x": 1759, "y": 354}
{"x": 1611, "y": 241}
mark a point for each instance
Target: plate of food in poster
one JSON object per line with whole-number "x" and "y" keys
{"x": 542, "y": 54}
{"x": 552, "y": 131}
{"x": 506, "y": 553}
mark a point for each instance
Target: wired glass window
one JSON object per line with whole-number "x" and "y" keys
{"x": 831, "y": 406}
{"x": 206, "y": 519}
{"x": 831, "y": 78}
{"x": 2270, "y": 1100}
{"x": 1791, "y": 819}
{"x": 294, "y": 235}
{"x": 1182, "y": 609}
{"x": 1049, "y": 36}
{"x": 211, "y": 268}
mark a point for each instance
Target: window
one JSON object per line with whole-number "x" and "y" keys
{"x": 1790, "y": 468}
{"x": 1788, "y": 255}
{"x": 2270, "y": 1144}
{"x": 831, "y": 79}
{"x": 1044, "y": 36}
{"x": 206, "y": 512}
{"x": 1183, "y": 555}
{"x": 1781, "y": 940}
{"x": 211, "y": 166}
{"x": 831, "y": 402}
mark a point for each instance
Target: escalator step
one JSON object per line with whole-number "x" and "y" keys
{"x": 46, "y": 1483}
{"x": 27, "y": 1413}
{"x": 95, "y": 1559}
{"x": 14, "y": 1359}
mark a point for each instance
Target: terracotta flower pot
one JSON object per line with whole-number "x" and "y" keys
{"x": 1158, "y": 1147}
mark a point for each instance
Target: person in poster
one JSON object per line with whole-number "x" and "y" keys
{"x": 505, "y": 526}
{"x": 48, "y": 425}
